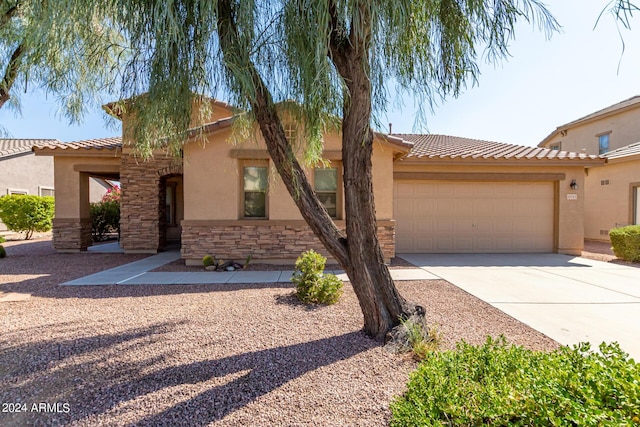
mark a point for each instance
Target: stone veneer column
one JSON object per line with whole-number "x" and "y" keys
{"x": 141, "y": 203}
{"x": 72, "y": 234}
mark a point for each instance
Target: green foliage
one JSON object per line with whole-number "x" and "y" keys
{"x": 3, "y": 252}
{"x": 2, "y": 239}
{"x": 63, "y": 47}
{"x": 312, "y": 285}
{"x": 501, "y": 385}
{"x": 626, "y": 242}
{"x": 27, "y": 214}
{"x": 421, "y": 340}
{"x": 105, "y": 219}
{"x": 208, "y": 261}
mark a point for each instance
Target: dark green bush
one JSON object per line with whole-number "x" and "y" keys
{"x": 501, "y": 385}
{"x": 26, "y": 213}
{"x": 3, "y": 252}
{"x": 105, "y": 219}
{"x": 626, "y": 242}
{"x": 312, "y": 285}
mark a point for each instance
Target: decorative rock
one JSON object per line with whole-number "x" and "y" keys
{"x": 211, "y": 268}
{"x": 230, "y": 268}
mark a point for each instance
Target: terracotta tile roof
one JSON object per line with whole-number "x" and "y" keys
{"x": 434, "y": 146}
{"x": 626, "y": 151}
{"x": 113, "y": 143}
{"x": 11, "y": 147}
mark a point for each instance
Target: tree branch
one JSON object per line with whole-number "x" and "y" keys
{"x": 279, "y": 148}
{"x": 10, "y": 74}
{"x": 8, "y": 14}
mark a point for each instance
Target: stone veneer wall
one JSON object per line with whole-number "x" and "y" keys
{"x": 72, "y": 234}
{"x": 266, "y": 240}
{"x": 142, "y": 202}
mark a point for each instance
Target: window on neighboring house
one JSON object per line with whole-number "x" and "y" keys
{"x": 326, "y": 186}
{"x": 46, "y": 191}
{"x": 254, "y": 180}
{"x": 11, "y": 191}
{"x": 555, "y": 146}
{"x": 603, "y": 143}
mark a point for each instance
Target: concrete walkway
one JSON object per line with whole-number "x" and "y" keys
{"x": 139, "y": 273}
{"x": 569, "y": 299}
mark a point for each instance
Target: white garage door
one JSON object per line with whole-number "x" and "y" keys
{"x": 473, "y": 217}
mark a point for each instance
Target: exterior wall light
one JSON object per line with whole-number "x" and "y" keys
{"x": 573, "y": 185}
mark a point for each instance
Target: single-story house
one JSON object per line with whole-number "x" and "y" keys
{"x": 25, "y": 173}
{"x": 433, "y": 193}
{"x": 611, "y": 189}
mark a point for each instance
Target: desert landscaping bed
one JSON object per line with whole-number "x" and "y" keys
{"x": 231, "y": 355}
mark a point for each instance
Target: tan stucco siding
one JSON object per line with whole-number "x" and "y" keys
{"x": 624, "y": 128}
{"x": 73, "y": 187}
{"x": 609, "y": 197}
{"x": 213, "y": 179}
{"x": 382, "y": 180}
{"x": 569, "y": 209}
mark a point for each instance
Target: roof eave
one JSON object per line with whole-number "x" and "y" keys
{"x": 523, "y": 161}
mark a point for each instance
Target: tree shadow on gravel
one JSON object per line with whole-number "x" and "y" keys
{"x": 260, "y": 373}
{"x": 98, "y": 389}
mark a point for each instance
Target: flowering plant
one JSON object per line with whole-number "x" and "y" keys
{"x": 112, "y": 194}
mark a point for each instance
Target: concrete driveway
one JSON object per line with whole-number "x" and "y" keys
{"x": 569, "y": 299}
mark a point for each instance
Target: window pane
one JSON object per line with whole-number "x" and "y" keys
{"x": 328, "y": 200}
{"x": 326, "y": 179}
{"x": 603, "y": 143}
{"x": 254, "y": 205}
{"x": 255, "y": 178}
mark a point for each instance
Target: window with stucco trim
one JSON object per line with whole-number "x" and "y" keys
{"x": 556, "y": 146}
{"x": 325, "y": 183}
{"x": 46, "y": 191}
{"x": 16, "y": 191}
{"x": 255, "y": 179}
{"x": 603, "y": 142}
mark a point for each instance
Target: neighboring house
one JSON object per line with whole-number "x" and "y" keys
{"x": 433, "y": 193}
{"x": 597, "y": 133}
{"x": 612, "y": 197}
{"x": 22, "y": 172}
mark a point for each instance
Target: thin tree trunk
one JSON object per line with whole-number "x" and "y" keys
{"x": 359, "y": 254}
{"x": 379, "y": 298}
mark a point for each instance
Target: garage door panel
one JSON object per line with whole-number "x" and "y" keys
{"x": 474, "y": 217}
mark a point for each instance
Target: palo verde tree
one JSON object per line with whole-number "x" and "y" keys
{"x": 333, "y": 57}
{"x": 62, "y": 49}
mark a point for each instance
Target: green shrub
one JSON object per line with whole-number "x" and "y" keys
{"x": 3, "y": 252}
{"x": 26, "y": 213}
{"x": 208, "y": 261}
{"x": 500, "y": 385}
{"x": 105, "y": 219}
{"x": 312, "y": 285}
{"x": 2, "y": 239}
{"x": 626, "y": 242}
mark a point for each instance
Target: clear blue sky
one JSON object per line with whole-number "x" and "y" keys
{"x": 544, "y": 84}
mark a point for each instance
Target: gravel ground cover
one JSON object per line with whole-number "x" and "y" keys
{"x": 197, "y": 355}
